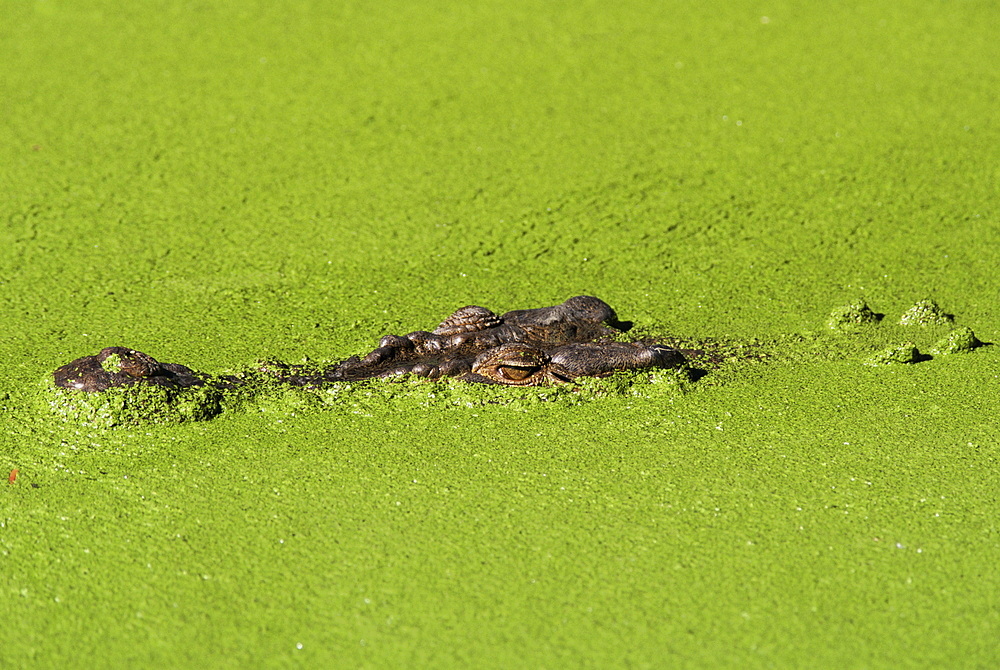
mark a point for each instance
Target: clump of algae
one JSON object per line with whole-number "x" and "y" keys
{"x": 903, "y": 353}
{"x": 852, "y": 316}
{"x": 959, "y": 341}
{"x": 925, "y": 313}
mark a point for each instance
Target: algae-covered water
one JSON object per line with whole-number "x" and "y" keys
{"x": 216, "y": 183}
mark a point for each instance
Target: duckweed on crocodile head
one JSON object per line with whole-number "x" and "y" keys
{"x": 412, "y": 393}
{"x": 112, "y": 363}
{"x": 133, "y": 405}
{"x": 143, "y": 404}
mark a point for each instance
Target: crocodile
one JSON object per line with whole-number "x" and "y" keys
{"x": 528, "y": 347}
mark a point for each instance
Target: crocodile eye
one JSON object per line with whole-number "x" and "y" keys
{"x": 515, "y": 364}
{"x": 516, "y": 374}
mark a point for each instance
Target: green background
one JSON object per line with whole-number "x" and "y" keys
{"x": 213, "y": 183}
